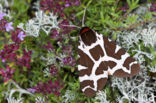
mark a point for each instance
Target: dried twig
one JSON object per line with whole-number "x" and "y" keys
{"x": 83, "y": 19}
{"x": 133, "y": 25}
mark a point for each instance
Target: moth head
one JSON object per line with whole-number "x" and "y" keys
{"x": 88, "y": 36}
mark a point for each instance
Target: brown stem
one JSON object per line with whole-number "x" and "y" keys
{"x": 133, "y": 25}
{"x": 84, "y": 17}
{"x": 111, "y": 89}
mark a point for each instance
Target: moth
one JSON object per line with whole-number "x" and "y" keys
{"x": 100, "y": 57}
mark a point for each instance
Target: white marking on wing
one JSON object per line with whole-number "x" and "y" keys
{"x": 117, "y": 48}
{"x": 119, "y": 62}
{"x": 81, "y": 67}
{"x": 130, "y": 65}
{"x": 94, "y": 78}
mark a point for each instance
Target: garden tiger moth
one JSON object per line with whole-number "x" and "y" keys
{"x": 100, "y": 57}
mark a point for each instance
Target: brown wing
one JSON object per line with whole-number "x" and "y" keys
{"x": 90, "y": 82}
{"x": 98, "y": 57}
{"x": 129, "y": 65}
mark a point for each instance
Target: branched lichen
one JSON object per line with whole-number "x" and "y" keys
{"x": 40, "y": 100}
{"x": 13, "y": 100}
{"x": 11, "y": 91}
{"x": 42, "y": 21}
{"x": 134, "y": 89}
{"x": 101, "y": 97}
{"x": 68, "y": 97}
{"x": 138, "y": 88}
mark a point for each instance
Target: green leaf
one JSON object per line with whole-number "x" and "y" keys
{"x": 90, "y": 1}
{"x": 114, "y": 36}
{"x": 65, "y": 77}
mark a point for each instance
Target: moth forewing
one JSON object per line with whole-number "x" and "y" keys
{"x": 100, "y": 57}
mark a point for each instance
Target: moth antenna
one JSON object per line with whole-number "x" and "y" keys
{"x": 83, "y": 19}
{"x": 72, "y": 26}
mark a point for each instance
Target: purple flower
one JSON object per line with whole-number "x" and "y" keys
{"x": 55, "y": 34}
{"x": 58, "y": 6}
{"x": 65, "y": 29}
{"x": 1, "y": 15}
{"x": 17, "y": 36}
{"x": 31, "y": 90}
{"x": 48, "y": 46}
{"x": 3, "y": 22}
{"x": 53, "y": 70}
{"x": 67, "y": 5}
{"x": 9, "y": 53}
{"x": 69, "y": 61}
{"x": 48, "y": 88}
{"x": 3, "y": 60}
{"x": 9, "y": 27}
{"x": 25, "y": 59}
{"x": 153, "y": 7}
{"x": 7, "y": 74}
{"x": 21, "y": 35}
{"x": 67, "y": 49}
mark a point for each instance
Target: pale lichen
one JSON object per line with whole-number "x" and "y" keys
{"x": 42, "y": 21}
{"x": 13, "y": 100}
{"x": 68, "y": 97}
{"x": 101, "y": 97}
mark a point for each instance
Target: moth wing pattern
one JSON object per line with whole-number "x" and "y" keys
{"x": 100, "y": 57}
{"x": 89, "y": 82}
{"x": 126, "y": 65}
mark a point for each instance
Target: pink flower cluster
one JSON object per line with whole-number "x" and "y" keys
{"x": 53, "y": 70}
{"x": 153, "y": 7}
{"x": 17, "y": 36}
{"x": 11, "y": 52}
{"x": 4, "y": 24}
{"x": 69, "y": 61}
{"x": 47, "y": 88}
{"x": 58, "y": 6}
{"x": 55, "y": 34}
{"x": 48, "y": 46}
{"x": 7, "y": 74}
